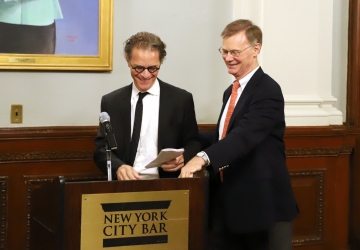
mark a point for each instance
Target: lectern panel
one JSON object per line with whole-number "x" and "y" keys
{"x": 135, "y": 220}
{"x": 126, "y": 215}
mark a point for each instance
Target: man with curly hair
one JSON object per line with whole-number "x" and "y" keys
{"x": 167, "y": 121}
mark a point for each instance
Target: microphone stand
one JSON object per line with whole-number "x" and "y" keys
{"x": 108, "y": 161}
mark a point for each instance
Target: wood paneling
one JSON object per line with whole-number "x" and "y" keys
{"x": 318, "y": 160}
{"x": 29, "y": 156}
{"x": 309, "y": 191}
{"x": 3, "y": 210}
{"x": 353, "y": 118}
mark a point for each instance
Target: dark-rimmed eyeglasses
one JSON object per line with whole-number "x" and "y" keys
{"x": 151, "y": 69}
{"x": 234, "y": 53}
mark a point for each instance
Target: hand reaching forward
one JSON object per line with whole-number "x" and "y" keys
{"x": 194, "y": 165}
{"x": 126, "y": 172}
{"x": 174, "y": 165}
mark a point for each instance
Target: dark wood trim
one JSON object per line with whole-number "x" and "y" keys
{"x": 39, "y": 132}
{"x": 317, "y": 177}
{"x": 318, "y": 161}
{"x": 353, "y": 118}
{"x": 40, "y": 156}
{"x": 353, "y": 86}
{"x": 3, "y": 210}
{"x": 207, "y": 127}
{"x": 90, "y": 131}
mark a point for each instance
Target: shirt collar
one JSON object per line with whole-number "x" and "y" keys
{"x": 154, "y": 90}
{"x": 243, "y": 81}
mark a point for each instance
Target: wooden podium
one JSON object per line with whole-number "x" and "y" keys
{"x": 147, "y": 214}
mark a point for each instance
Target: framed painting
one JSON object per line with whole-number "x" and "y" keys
{"x": 56, "y": 35}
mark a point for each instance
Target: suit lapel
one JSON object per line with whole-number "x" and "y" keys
{"x": 164, "y": 111}
{"x": 226, "y": 96}
{"x": 255, "y": 79}
{"x": 124, "y": 105}
{"x": 250, "y": 88}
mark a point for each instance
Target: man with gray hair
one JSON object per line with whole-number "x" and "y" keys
{"x": 147, "y": 116}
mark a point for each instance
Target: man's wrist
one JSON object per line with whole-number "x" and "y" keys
{"x": 205, "y": 157}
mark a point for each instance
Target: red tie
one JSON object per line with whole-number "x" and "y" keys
{"x": 235, "y": 87}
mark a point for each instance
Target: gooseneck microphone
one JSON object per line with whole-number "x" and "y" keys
{"x": 104, "y": 119}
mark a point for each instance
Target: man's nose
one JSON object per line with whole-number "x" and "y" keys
{"x": 228, "y": 57}
{"x": 145, "y": 73}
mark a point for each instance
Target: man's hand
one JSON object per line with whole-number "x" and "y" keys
{"x": 126, "y": 172}
{"x": 174, "y": 165}
{"x": 194, "y": 165}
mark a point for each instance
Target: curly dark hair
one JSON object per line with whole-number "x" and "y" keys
{"x": 144, "y": 40}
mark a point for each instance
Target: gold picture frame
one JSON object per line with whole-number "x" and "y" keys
{"x": 101, "y": 62}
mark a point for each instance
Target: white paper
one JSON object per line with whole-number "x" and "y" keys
{"x": 165, "y": 155}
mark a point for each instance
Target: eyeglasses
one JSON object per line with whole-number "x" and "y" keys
{"x": 234, "y": 53}
{"x": 151, "y": 69}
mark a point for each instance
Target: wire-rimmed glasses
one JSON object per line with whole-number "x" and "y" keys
{"x": 234, "y": 53}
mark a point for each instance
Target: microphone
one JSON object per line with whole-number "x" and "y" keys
{"x": 104, "y": 119}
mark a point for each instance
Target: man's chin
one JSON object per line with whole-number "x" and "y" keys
{"x": 144, "y": 86}
{"x": 231, "y": 71}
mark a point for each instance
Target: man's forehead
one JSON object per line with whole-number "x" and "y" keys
{"x": 143, "y": 49}
{"x": 145, "y": 57}
{"x": 236, "y": 40}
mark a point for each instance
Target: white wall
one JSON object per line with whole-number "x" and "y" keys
{"x": 304, "y": 50}
{"x": 191, "y": 30}
{"x": 340, "y": 52}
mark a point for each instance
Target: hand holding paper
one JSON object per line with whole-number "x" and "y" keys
{"x": 165, "y": 155}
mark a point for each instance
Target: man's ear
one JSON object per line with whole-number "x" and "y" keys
{"x": 257, "y": 48}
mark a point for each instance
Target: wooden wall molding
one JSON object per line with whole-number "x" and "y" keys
{"x": 353, "y": 117}
{"x": 353, "y": 74}
{"x": 48, "y": 132}
{"x": 3, "y": 209}
{"x": 317, "y": 158}
{"x": 40, "y": 156}
{"x": 303, "y": 152}
{"x": 318, "y": 238}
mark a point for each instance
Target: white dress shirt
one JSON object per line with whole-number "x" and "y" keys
{"x": 148, "y": 143}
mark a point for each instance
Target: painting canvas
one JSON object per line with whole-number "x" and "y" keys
{"x": 56, "y": 34}
{"x": 77, "y": 32}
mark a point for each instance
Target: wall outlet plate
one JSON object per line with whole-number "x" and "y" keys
{"x": 16, "y": 115}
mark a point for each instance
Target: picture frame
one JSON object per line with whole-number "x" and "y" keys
{"x": 100, "y": 60}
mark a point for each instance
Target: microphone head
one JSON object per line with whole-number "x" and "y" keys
{"x": 103, "y": 117}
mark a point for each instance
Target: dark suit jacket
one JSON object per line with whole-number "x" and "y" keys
{"x": 256, "y": 191}
{"x": 177, "y": 126}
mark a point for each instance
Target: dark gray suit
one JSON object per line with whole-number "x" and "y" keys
{"x": 177, "y": 126}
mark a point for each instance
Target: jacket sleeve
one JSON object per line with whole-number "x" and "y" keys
{"x": 191, "y": 140}
{"x": 251, "y": 126}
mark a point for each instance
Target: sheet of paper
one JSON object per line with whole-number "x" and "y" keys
{"x": 165, "y": 155}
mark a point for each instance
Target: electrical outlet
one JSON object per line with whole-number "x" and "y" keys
{"x": 16, "y": 115}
